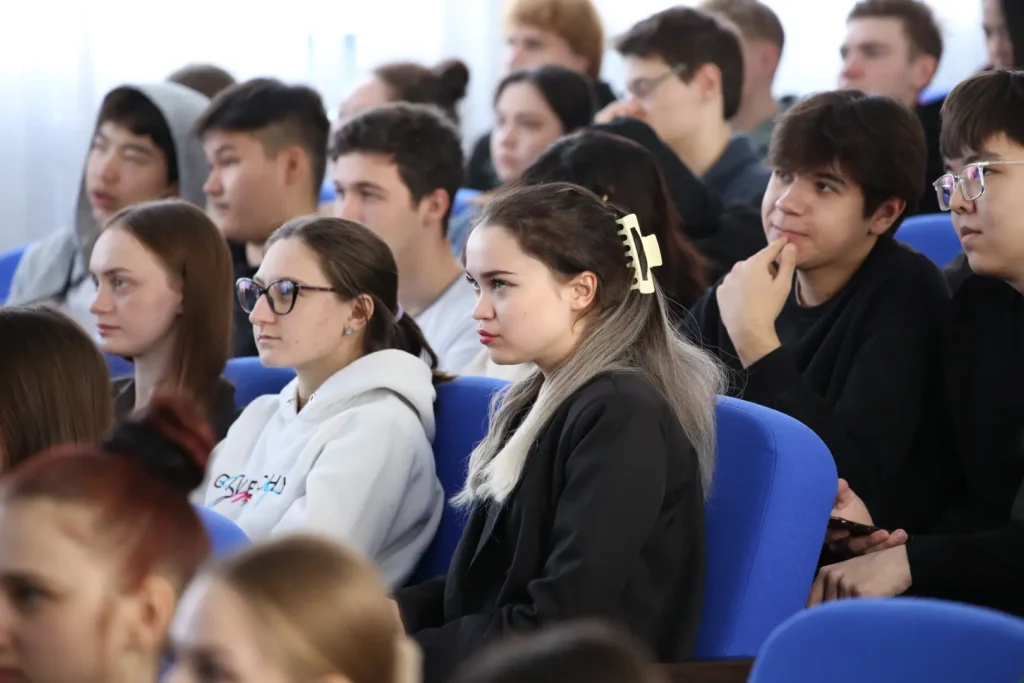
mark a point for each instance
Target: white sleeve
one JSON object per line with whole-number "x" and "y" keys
{"x": 358, "y": 482}
{"x": 462, "y": 351}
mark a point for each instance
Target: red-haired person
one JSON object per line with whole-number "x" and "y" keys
{"x": 96, "y": 547}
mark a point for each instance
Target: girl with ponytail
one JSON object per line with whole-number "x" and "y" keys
{"x": 97, "y": 544}
{"x": 344, "y": 450}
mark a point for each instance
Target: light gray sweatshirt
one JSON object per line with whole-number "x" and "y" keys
{"x": 55, "y": 269}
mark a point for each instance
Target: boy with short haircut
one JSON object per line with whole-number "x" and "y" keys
{"x": 893, "y": 47}
{"x": 267, "y": 145}
{"x": 396, "y": 170}
{"x": 142, "y": 150}
{"x": 684, "y": 74}
{"x": 964, "y": 504}
{"x": 763, "y": 39}
{"x": 835, "y": 323}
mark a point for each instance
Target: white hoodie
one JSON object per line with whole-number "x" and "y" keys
{"x": 355, "y": 463}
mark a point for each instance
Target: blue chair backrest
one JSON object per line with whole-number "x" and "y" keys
{"x": 897, "y": 640}
{"x": 119, "y": 367}
{"x": 933, "y": 235}
{"x": 251, "y": 379}
{"x": 461, "y": 417}
{"x": 8, "y": 264}
{"x": 774, "y": 486}
{"x": 225, "y": 535}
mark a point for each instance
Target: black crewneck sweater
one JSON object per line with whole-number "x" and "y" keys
{"x": 862, "y": 370}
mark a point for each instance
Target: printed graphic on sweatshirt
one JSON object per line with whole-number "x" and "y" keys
{"x": 238, "y": 489}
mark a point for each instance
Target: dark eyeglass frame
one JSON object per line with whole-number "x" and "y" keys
{"x": 265, "y": 291}
{"x": 643, "y": 87}
{"x": 960, "y": 182}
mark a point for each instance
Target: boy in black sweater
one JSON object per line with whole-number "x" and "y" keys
{"x": 965, "y": 505}
{"x": 834, "y": 323}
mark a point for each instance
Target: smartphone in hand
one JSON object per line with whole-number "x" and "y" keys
{"x": 855, "y": 528}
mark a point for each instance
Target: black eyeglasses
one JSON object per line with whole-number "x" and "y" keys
{"x": 281, "y": 295}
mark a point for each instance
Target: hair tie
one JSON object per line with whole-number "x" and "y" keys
{"x": 399, "y": 314}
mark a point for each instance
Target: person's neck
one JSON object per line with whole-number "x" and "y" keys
{"x": 151, "y": 370}
{"x": 135, "y": 668}
{"x": 816, "y": 286}
{"x": 293, "y": 208}
{"x": 704, "y": 147}
{"x": 755, "y": 110}
{"x": 425, "y": 270}
{"x": 313, "y": 375}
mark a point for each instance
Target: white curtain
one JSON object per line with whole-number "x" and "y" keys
{"x": 58, "y": 59}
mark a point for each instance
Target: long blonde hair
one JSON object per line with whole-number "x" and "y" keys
{"x": 572, "y": 231}
{"x": 324, "y": 608}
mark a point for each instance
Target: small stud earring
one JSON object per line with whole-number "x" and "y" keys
{"x": 348, "y": 331}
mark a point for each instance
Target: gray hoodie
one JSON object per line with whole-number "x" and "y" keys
{"x": 55, "y": 269}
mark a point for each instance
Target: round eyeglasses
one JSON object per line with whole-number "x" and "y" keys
{"x": 971, "y": 181}
{"x": 281, "y": 295}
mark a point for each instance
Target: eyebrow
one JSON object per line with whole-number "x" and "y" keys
{"x": 367, "y": 185}
{"x": 114, "y": 271}
{"x": 491, "y": 274}
{"x": 225, "y": 147}
{"x": 831, "y": 177}
{"x": 982, "y": 155}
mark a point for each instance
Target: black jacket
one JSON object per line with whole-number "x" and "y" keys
{"x": 221, "y": 416}
{"x": 607, "y": 521}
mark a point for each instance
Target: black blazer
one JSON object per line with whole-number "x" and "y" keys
{"x": 607, "y": 522}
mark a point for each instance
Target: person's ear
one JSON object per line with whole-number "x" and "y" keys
{"x": 294, "y": 164}
{"x": 362, "y": 311}
{"x": 768, "y": 56}
{"x": 708, "y": 80}
{"x": 582, "y": 291}
{"x": 885, "y": 215}
{"x": 434, "y": 206}
{"x": 147, "y": 614}
{"x": 923, "y": 71}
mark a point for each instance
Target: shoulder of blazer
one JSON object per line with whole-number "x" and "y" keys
{"x": 615, "y": 389}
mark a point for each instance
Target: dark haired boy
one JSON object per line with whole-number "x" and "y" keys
{"x": 396, "y": 170}
{"x": 835, "y": 323}
{"x": 684, "y": 75}
{"x": 964, "y": 503}
{"x": 267, "y": 145}
{"x": 142, "y": 150}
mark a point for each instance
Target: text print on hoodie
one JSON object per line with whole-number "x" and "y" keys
{"x": 354, "y": 464}
{"x": 55, "y": 269}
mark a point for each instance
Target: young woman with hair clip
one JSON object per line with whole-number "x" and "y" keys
{"x": 344, "y": 450}
{"x": 97, "y": 543}
{"x": 587, "y": 494}
{"x": 54, "y": 384}
{"x": 293, "y": 610}
{"x": 163, "y": 299}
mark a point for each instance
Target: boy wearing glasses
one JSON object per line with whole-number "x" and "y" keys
{"x": 684, "y": 74}
{"x": 266, "y": 143}
{"x": 835, "y": 323}
{"x": 964, "y": 504}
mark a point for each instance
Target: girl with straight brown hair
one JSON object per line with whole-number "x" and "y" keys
{"x": 295, "y": 610}
{"x": 54, "y": 384}
{"x": 164, "y": 281}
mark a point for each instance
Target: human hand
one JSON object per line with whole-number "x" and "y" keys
{"x": 849, "y": 506}
{"x": 751, "y": 297}
{"x": 881, "y": 574}
{"x": 627, "y": 107}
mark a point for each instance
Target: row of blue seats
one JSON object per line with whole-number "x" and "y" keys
{"x": 930, "y": 234}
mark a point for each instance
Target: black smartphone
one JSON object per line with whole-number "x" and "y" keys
{"x": 855, "y": 528}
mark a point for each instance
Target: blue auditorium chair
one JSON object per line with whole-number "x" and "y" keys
{"x": 251, "y": 379}
{"x": 119, "y": 367}
{"x": 225, "y": 535}
{"x": 774, "y": 487}
{"x": 895, "y": 640}
{"x": 8, "y": 264}
{"x": 933, "y": 235}
{"x": 461, "y": 417}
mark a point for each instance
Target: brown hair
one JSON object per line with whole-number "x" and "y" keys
{"x": 687, "y": 38}
{"x": 627, "y": 175}
{"x": 443, "y": 86}
{"x": 917, "y": 18}
{"x": 322, "y": 606}
{"x": 424, "y": 145}
{"x": 197, "y": 258}
{"x": 574, "y": 652}
{"x": 356, "y": 262}
{"x": 54, "y": 387}
{"x": 871, "y": 139}
{"x": 980, "y": 107}
{"x": 754, "y": 19}
{"x": 137, "y": 484}
{"x": 575, "y": 21}
{"x": 205, "y": 79}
